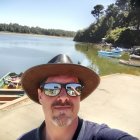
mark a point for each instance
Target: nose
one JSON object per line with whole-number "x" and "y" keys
{"x": 63, "y": 92}
{"x": 63, "y": 95}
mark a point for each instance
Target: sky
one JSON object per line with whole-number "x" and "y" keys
{"x": 71, "y": 15}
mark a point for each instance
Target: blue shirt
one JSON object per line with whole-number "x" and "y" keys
{"x": 86, "y": 130}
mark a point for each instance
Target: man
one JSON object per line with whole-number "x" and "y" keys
{"x": 59, "y": 86}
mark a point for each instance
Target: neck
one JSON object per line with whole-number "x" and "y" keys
{"x": 52, "y": 132}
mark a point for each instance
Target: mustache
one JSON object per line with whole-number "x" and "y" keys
{"x": 60, "y": 103}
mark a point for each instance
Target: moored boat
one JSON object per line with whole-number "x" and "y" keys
{"x": 134, "y": 56}
{"x": 130, "y": 62}
{"x": 10, "y": 87}
{"x": 115, "y": 52}
{"x": 109, "y": 54}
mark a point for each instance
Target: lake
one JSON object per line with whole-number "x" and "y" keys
{"x": 19, "y": 52}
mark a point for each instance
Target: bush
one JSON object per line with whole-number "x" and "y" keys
{"x": 124, "y": 37}
{"x": 113, "y": 36}
{"x": 129, "y": 38}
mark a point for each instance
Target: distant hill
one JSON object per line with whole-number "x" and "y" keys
{"x": 16, "y": 28}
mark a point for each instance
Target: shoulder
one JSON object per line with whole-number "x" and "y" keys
{"x": 35, "y": 134}
{"x": 93, "y": 128}
{"x": 89, "y": 130}
{"x": 31, "y": 135}
{"x": 108, "y": 133}
{"x": 102, "y": 131}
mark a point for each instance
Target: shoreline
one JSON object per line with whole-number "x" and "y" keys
{"x": 14, "y": 33}
{"x": 42, "y": 47}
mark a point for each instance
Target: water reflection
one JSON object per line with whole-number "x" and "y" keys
{"x": 19, "y": 52}
{"x": 90, "y": 53}
{"x": 102, "y": 65}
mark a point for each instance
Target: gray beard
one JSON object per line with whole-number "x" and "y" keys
{"x": 62, "y": 120}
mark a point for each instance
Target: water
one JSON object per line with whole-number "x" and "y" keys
{"x": 19, "y": 52}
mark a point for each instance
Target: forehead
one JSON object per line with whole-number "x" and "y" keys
{"x": 62, "y": 79}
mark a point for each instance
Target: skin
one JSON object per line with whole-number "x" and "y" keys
{"x": 60, "y": 111}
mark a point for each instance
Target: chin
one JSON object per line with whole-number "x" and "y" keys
{"x": 62, "y": 120}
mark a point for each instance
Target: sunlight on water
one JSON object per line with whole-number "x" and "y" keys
{"x": 19, "y": 52}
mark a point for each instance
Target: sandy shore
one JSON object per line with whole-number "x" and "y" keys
{"x": 115, "y": 102}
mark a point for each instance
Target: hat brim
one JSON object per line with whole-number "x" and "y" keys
{"x": 32, "y": 78}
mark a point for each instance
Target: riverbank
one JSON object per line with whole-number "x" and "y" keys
{"x": 34, "y": 35}
{"x": 115, "y": 102}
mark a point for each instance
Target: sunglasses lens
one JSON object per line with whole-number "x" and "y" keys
{"x": 74, "y": 89}
{"x": 52, "y": 89}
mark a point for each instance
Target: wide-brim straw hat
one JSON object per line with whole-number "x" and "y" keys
{"x": 59, "y": 65}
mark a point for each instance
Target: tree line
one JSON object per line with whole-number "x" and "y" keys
{"x": 119, "y": 24}
{"x": 16, "y": 28}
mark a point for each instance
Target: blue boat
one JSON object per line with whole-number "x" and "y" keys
{"x": 116, "y": 53}
{"x": 109, "y": 54}
{"x": 117, "y": 50}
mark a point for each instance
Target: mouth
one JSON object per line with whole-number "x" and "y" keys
{"x": 62, "y": 106}
{"x": 59, "y": 107}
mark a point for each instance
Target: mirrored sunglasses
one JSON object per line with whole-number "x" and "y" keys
{"x": 53, "y": 89}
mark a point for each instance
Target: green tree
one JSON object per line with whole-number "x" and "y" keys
{"x": 123, "y": 5}
{"x": 35, "y": 30}
{"x": 97, "y": 11}
{"x": 135, "y": 13}
{"x": 111, "y": 14}
{"x": 112, "y": 10}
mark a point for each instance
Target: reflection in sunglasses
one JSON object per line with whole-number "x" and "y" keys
{"x": 53, "y": 89}
{"x": 76, "y": 91}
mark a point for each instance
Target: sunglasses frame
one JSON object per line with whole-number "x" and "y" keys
{"x": 63, "y": 85}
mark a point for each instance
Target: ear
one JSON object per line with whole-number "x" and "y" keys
{"x": 39, "y": 95}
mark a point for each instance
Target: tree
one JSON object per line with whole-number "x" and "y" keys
{"x": 98, "y": 11}
{"x": 123, "y": 5}
{"x": 135, "y": 13}
{"x": 135, "y": 3}
{"x": 112, "y": 10}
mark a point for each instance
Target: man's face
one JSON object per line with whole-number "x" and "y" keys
{"x": 62, "y": 109}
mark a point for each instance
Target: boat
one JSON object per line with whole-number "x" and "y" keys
{"x": 109, "y": 54}
{"x": 116, "y": 52}
{"x": 136, "y": 51}
{"x": 10, "y": 87}
{"x": 134, "y": 56}
{"x": 130, "y": 62}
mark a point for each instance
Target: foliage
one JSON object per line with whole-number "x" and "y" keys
{"x": 113, "y": 36}
{"x": 123, "y": 5}
{"x": 135, "y": 13}
{"x": 129, "y": 38}
{"x": 35, "y": 30}
{"x": 97, "y": 11}
{"x": 124, "y": 14}
{"x": 124, "y": 36}
{"x": 95, "y": 32}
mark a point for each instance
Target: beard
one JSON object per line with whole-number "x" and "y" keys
{"x": 62, "y": 117}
